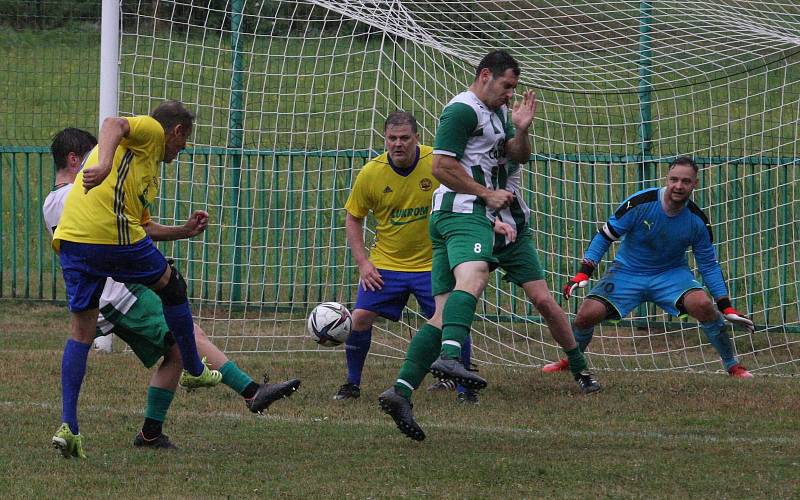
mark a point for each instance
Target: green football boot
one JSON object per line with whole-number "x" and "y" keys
{"x": 209, "y": 378}
{"x": 69, "y": 444}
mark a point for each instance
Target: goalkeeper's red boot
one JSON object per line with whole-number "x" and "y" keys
{"x": 739, "y": 371}
{"x": 559, "y": 366}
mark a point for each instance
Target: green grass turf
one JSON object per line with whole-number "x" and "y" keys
{"x": 653, "y": 435}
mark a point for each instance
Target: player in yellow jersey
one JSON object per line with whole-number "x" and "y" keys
{"x": 134, "y": 313}
{"x": 105, "y": 231}
{"x": 397, "y": 187}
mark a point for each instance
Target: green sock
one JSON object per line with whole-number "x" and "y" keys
{"x": 234, "y": 377}
{"x": 577, "y": 362}
{"x": 456, "y": 322}
{"x": 422, "y": 352}
{"x": 158, "y": 401}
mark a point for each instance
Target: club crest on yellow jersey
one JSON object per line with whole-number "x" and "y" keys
{"x": 145, "y": 199}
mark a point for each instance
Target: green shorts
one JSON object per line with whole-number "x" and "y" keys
{"x": 520, "y": 260}
{"x": 142, "y": 327}
{"x": 458, "y": 238}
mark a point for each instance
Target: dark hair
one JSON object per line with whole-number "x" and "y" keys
{"x": 399, "y": 118}
{"x": 71, "y": 140}
{"x": 171, "y": 113}
{"x": 684, "y": 160}
{"x": 498, "y": 62}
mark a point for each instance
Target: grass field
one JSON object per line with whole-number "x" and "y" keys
{"x": 648, "y": 434}
{"x": 533, "y": 435}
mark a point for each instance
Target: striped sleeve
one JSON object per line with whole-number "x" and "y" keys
{"x": 456, "y": 126}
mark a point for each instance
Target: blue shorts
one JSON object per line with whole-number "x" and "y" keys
{"x": 624, "y": 291}
{"x": 392, "y": 298}
{"x": 86, "y": 267}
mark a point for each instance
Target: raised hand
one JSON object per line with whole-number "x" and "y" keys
{"x": 523, "y": 111}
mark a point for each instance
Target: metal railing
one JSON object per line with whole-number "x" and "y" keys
{"x": 278, "y": 235}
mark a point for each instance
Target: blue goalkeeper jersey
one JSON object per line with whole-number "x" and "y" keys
{"x": 654, "y": 242}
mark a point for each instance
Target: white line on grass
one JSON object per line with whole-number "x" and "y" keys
{"x": 244, "y": 415}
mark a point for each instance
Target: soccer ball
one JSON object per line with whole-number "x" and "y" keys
{"x": 104, "y": 343}
{"x": 329, "y": 324}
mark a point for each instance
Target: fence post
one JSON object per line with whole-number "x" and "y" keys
{"x": 235, "y": 142}
{"x": 645, "y": 117}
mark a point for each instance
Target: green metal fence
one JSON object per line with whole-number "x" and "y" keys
{"x": 277, "y": 235}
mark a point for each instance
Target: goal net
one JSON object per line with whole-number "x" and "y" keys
{"x": 291, "y": 96}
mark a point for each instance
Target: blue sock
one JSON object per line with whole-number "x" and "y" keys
{"x": 180, "y": 323}
{"x": 719, "y": 339}
{"x": 466, "y": 358}
{"x": 73, "y": 368}
{"x": 582, "y": 337}
{"x": 356, "y": 350}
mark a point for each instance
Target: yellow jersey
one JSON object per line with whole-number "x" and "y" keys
{"x": 401, "y": 205}
{"x": 113, "y": 212}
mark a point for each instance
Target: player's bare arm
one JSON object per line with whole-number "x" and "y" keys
{"x": 450, "y": 173}
{"x": 112, "y": 132}
{"x": 194, "y": 225}
{"x": 518, "y": 148}
{"x": 369, "y": 277}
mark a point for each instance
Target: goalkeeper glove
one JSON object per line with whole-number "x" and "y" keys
{"x": 580, "y": 280}
{"x": 734, "y": 316}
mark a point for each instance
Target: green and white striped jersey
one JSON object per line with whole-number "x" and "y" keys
{"x": 476, "y": 136}
{"x": 517, "y": 214}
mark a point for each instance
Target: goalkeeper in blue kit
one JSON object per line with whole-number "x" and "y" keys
{"x": 656, "y": 227}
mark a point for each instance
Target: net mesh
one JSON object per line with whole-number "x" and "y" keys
{"x": 291, "y": 97}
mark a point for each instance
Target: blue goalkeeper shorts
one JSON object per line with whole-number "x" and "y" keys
{"x": 624, "y": 291}
{"x": 86, "y": 267}
{"x": 398, "y": 286}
